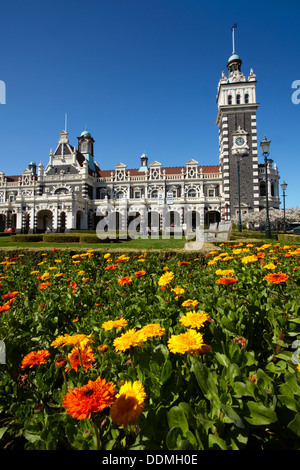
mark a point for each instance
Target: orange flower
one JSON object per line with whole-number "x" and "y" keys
{"x": 78, "y": 356}
{"x": 125, "y": 280}
{"x": 10, "y": 295}
{"x": 111, "y": 266}
{"x": 35, "y": 358}
{"x": 44, "y": 285}
{"x": 60, "y": 362}
{"x": 139, "y": 273}
{"x": 5, "y": 307}
{"x": 276, "y": 278}
{"x": 93, "y": 397}
{"x": 226, "y": 280}
{"x": 72, "y": 284}
{"x": 183, "y": 262}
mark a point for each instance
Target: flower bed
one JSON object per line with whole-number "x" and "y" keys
{"x": 146, "y": 352}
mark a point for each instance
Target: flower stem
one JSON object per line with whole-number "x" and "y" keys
{"x": 96, "y": 432}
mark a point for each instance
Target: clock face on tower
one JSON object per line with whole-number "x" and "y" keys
{"x": 240, "y": 141}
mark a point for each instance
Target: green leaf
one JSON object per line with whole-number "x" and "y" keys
{"x": 294, "y": 425}
{"x": 233, "y": 416}
{"x": 176, "y": 418}
{"x": 173, "y": 437}
{"x": 166, "y": 371}
{"x": 205, "y": 381}
{"x": 215, "y": 442}
{"x": 260, "y": 414}
{"x": 2, "y": 431}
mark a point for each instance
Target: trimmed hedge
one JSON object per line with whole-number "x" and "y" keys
{"x": 27, "y": 238}
{"x": 289, "y": 238}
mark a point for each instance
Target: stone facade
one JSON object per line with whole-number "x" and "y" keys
{"x": 71, "y": 190}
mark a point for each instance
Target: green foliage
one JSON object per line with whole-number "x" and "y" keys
{"x": 242, "y": 394}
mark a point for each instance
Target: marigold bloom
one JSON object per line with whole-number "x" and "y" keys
{"x": 225, "y": 272}
{"x": 5, "y": 307}
{"x": 35, "y": 358}
{"x": 298, "y": 367}
{"x": 194, "y": 319}
{"x": 129, "y": 404}
{"x": 73, "y": 285}
{"x": 125, "y": 280}
{"x": 107, "y": 255}
{"x": 130, "y": 338}
{"x": 249, "y": 259}
{"x": 178, "y": 291}
{"x": 10, "y": 295}
{"x": 139, "y": 273}
{"x": 68, "y": 340}
{"x": 110, "y": 324}
{"x": 180, "y": 263}
{"x": 81, "y": 356}
{"x": 191, "y": 342}
{"x": 45, "y": 276}
{"x": 226, "y": 280}
{"x": 111, "y": 266}
{"x": 152, "y": 329}
{"x": 276, "y": 278}
{"x": 270, "y": 266}
{"x": 93, "y": 397}
{"x": 190, "y": 303}
{"x": 43, "y": 285}
{"x": 166, "y": 278}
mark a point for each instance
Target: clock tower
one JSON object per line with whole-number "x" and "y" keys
{"x": 236, "y": 119}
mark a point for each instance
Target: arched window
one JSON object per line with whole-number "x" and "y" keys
{"x": 154, "y": 193}
{"x": 262, "y": 188}
{"x": 191, "y": 193}
{"x": 246, "y": 98}
{"x": 238, "y": 99}
{"x": 229, "y": 99}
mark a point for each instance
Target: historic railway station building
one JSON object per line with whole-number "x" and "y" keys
{"x": 70, "y": 190}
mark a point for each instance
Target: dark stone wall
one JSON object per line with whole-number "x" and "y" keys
{"x": 235, "y": 119}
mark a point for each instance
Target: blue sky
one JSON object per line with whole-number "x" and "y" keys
{"x": 142, "y": 76}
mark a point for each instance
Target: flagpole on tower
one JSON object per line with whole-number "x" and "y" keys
{"x": 232, "y": 29}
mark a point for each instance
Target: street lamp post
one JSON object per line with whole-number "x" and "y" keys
{"x": 265, "y": 146}
{"x": 283, "y": 187}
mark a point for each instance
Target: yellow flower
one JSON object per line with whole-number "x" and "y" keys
{"x": 152, "y": 329}
{"x": 269, "y": 266}
{"x": 58, "y": 261}
{"x": 189, "y": 303}
{"x": 225, "y": 272}
{"x": 194, "y": 319}
{"x": 45, "y": 276}
{"x": 52, "y": 268}
{"x": 191, "y": 342}
{"x": 165, "y": 279}
{"x": 34, "y": 272}
{"x": 126, "y": 340}
{"x": 178, "y": 291}
{"x": 67, "y": 340}
{"x": 249, "y": 259}
{"x": 58, "y": 274}
{"x": 110, "y": 324}
{"x": 107, "y": 255}
{"x": 129, "y": 404}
